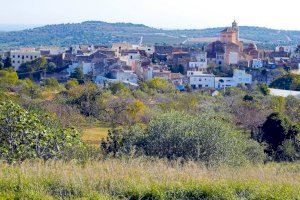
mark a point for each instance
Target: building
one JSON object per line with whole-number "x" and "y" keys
{"x": 257, "y": 63}
{"x": 86, "y": 67}
{"x": 126, "y": 76}
{"x": 239, "y": 77}
{"x": 228, "y": 50}
{"x": 118, "y": 47}
{"x": 230, "y": 34}
{"x": 18, "y": 57}
{"x": 200, "y": 80}
{"x": 200, "y": 63}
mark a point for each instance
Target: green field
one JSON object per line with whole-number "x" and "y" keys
{"x": 141, "y": 179}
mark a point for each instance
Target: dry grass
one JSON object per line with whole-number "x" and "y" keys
{"x": 49, "y": 95}
{"x": 93, "y": 135}
{"x": 138, "y": 179}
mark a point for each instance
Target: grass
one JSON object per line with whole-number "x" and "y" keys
{"x": 141, "y": 179}
{"x": 93, "y": 135}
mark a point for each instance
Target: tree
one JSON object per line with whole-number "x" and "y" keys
{"x": 1, "y": 65}
{"x": 23, "y": 135}
{"x": 7, "y": 63}
{"x": 117, "y": 87}
{"x": 78, "y": 75}
{"x": 276, "y": 131}
{"x": 159, "y": 85}
{"x": 287, "y": 82}
{"x": 51, "y": 67}
{"x": 248, "y": 98}
{"x": 264, "y": 89}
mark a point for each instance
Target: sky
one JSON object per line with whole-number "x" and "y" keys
{"x": 169, "y": 14}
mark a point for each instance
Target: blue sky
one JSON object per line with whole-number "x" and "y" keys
{"x": 155, "y": 13}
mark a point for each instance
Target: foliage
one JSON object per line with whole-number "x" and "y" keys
{"x": 7, "y": 63}
{"x": 117, "y": 87}
{"x": 50, "y": 83}
{"x": 280, "y": 134}
{"x": 159, "y": 85}
{"x": 264, "y": 89}
{"x": 72, "y": 83}
{"x": 24, "y": 136}
{"x": 207, "y": 138}
{"x": 287, "y": 82}
{"x": 78, "y": 75}
{"x": 51, "y": 67}
{"x": 8, "y": 78}
{"x": 34, "y": 66}
{"x": 97, "y": 32}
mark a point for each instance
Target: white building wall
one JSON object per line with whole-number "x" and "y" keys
{"x": 202, "y": 81}
{"x": 233, "y": 58}
{"x": 257, "y": 63}
{"x": 22, "y": 56}
{"x": 127, "y": 76}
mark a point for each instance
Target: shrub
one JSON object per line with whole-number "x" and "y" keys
{"x": 206, "y": 138}
{"x": 24, "y": 136}
{"x": 50, "y": 82}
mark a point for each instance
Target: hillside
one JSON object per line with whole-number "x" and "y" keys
{"x": 98, "y": 32}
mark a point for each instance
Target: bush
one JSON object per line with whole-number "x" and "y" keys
{"x": 50, "y": 83}
{"x": 206, "y": 138}
{"x": 24, "y": 136}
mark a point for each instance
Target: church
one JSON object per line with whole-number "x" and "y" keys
{"x": 229, "y": 50}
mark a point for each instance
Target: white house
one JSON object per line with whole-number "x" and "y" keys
{"x": 86, "y": 67}
{"x": 257, "y": 63}
{"x": 131, "y": 57}
{"x": 239, "y": 77}
{"x": 18, "y": 57}
{"x": 126, "y": 76}
{"x": 200, "y": 66}
{"x": 199, "y": 80}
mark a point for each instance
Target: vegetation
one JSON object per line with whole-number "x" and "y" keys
{"x": 147, "y": 142}
{"x": 97, "y": 32}
{"x": 147, "y": 179}
{"x": 287, "y": 82}
{"x": 24, "y": 136}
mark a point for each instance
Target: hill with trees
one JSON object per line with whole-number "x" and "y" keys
{"x": 97, "y": 32}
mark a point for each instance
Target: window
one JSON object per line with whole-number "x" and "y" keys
{"x": 31, "y": 57}
{"x": 23, "y": 57}
{"x": 13, "y": 56}
{"x": 18, "y": 56}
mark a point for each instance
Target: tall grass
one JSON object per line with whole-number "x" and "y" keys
{"x": 140, "y": 179}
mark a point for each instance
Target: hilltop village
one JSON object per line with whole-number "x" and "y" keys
{"x": 227, "y": 62}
